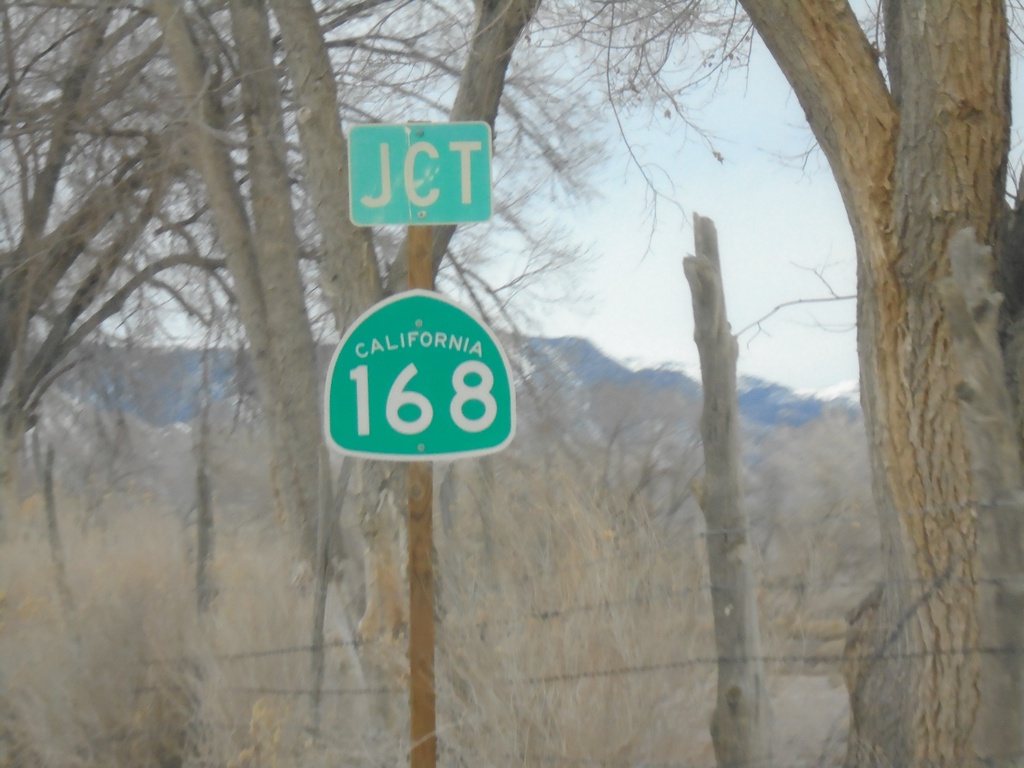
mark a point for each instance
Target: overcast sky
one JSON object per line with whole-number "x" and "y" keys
{"x": 780, "y": 221}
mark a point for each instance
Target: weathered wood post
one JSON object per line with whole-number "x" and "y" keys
{"x": 741, "y": 729}
{"x": 420, "y": 538}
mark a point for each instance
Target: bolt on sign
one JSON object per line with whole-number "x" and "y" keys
{"x": 418, "y": 377}
{"x": 419, "y": 173}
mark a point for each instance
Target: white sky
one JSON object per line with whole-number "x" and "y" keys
{"x": 778, "y": 219}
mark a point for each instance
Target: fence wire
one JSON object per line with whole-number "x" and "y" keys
{"x": 888, "y": 649}
{"x": 527, "y": 758}
{"x": 882, "y": 653}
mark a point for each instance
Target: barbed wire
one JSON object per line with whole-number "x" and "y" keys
{"x": 646, "y": 600}
{"x": 850, "y": 515}
{"x": 528, "y": 758}
{"x": 548, "y": 614}
{"x": 648, "y": 594}
{"x": 255, "y": 654}
{"x": 796, "y": 585}
{"x": 767, "y": 659}
{"x": 883, "y": 651}
{"x": 776, "y": 660}
{"x": 845, "y": 514}
{"x": 860, "y": 515}
{"x": 261, "y": 690}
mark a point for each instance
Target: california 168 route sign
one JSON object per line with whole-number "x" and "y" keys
{"x": 418, "y": 377}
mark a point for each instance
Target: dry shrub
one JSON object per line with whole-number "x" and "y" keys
{"x": 82, "y": 689}
{"x": 573, "y": 641}
{"x": 571, "y": 627}
{"x": 552, "y": 642}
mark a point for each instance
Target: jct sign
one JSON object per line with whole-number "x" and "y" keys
{"x": 419, "y": 377}
{"x": 420, "y": 173}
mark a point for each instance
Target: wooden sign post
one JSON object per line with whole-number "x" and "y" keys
{"x": 420, "y": 536}
{"x": 417, "y": 377}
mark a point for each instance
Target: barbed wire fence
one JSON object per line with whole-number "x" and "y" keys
{"x": 656, "y": 597}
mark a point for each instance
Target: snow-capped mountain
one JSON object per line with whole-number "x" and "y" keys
{"x": 577, "y": 363}
{"x": 163, "y": 386}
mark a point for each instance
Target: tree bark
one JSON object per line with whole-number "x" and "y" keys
{"x": 741, "y": 726}
{"x": 499, "y": 26}
{"x": 44, "y": 469}
{"x": 261, "y": 254}
{"x": 295, "y": 412}
{"x": 206, "y": 589}
{"x": 320, "y": 582}
{"x": 349, "y": 274}
{"x": 913, "y": 165}
{"x": 972, "y": 305}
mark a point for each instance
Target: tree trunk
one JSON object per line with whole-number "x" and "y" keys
{"x": 972, "y": 306}
{"x": 499, "y": 26}
{"x": 10, "y": 495}
{"x": 913, "y": 165}
{"x": 384, "y": 625}
{"x": 44, "y": 470}
{"x": 741, "y": 726}
{"x": 295, "y": 413}
{"x": 262, "y": 256}
{"x": 205, "y": 587}
{"x": 349, "y": 274}
{"x": 320, "y": 582}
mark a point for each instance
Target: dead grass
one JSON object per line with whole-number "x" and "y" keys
{"x": 79, "y": 689}
{"x": 573, "y": 635}
{"x": 562, "y": 641}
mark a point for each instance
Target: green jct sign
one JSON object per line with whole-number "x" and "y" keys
{"x": 420, "y": 173}
{"x": 418, "y": 377}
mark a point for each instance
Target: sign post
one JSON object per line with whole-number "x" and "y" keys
{"x": 420, "y": 539}
{"x": 418, "y": 377}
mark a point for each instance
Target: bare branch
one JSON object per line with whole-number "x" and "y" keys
{"x": 794, "y": 303}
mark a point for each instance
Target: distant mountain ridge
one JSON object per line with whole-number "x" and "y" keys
{"x": 761, "y": 402}
{"x": 163, "y": 386}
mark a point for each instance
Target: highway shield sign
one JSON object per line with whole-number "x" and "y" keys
{"x": 419, "y": 377}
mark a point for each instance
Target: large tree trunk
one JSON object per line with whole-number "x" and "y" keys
{"x": 294, "y": 410}
{"x": 972, "y": 305}
{"x": 349, "y": 274}
{"x": 741, "y": 726}
{"x": 262, "y": 255}
{"x": 913, "y": 165}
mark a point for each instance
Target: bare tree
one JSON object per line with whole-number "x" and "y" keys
{"x": 88, "y": 171}
{"x": 918, "y": 151}
{"x": 260, "y": 242}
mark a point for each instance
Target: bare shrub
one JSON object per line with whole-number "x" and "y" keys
{"x": 579, "y": 628}
{"x": 110, "y": 685}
